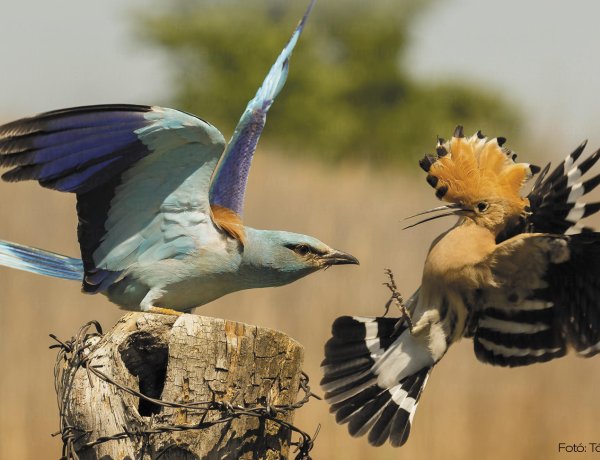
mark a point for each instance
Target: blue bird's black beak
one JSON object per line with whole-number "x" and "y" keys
{"x": 338, "y": 258}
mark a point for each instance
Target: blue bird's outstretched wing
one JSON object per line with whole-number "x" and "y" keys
{"x": 135, "y": 170}
{"x": 142, "y": 175}
{"x": 229, "y": 182}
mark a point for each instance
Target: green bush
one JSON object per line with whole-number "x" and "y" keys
{"x": 349, "y": 94}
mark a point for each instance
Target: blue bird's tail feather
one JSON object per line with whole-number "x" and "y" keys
{"x": 39, "y": 261}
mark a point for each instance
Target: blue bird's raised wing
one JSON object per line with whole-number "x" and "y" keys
{"x": 142, "y": 175}
{"x": 228, "y": 185}
{"x": 131, "y": 167}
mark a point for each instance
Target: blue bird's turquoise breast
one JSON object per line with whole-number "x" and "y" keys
{"x": 192, "y": 279}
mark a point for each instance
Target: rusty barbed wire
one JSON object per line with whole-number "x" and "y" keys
{"x": 77, "y": 352}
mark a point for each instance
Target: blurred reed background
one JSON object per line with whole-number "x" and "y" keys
{"x": 468, "y": 410}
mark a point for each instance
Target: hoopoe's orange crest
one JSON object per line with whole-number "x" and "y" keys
{"x": 466, "y": 170}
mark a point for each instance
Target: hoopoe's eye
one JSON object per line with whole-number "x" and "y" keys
{"x": 482, "y": 206}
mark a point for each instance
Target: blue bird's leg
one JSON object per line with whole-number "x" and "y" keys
{"x": 164, "y": 311}
{"x": 147, "y": 303}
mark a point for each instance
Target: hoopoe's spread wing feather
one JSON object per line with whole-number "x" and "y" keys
{"x": 544, "y": 298}
{"x": 134, "y": 169}
{"x": 574, "y": 286}
{"x": 228, "y": 185}
{"x": 554, "y": 201}
{"x": 555, "y": 205}
{"x": 374, "y": 373}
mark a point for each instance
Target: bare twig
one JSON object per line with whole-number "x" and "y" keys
{"x": 397, "y": 300}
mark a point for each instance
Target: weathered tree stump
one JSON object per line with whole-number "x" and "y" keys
{"x": 182, "y": 360}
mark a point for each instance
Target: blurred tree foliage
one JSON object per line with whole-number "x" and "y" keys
{"x": 349, "y": 93}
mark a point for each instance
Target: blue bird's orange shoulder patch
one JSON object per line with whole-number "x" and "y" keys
{"x": 229, "y": 221}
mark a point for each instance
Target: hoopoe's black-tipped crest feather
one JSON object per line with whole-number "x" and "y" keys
{"x": 466, "y": 170}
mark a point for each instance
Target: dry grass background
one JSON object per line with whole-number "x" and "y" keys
{"x": 469, "y": 410}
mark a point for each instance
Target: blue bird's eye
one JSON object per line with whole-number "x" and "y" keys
{"x": 302, "y": 249}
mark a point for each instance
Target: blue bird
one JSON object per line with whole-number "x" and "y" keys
{"x": 159, "y": 200}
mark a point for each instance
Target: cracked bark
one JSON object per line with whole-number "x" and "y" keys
{"x": 186, "y": 359}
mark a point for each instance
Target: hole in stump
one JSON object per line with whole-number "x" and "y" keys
{"x": 178, "y": 453}
{"x": 145, "y": 356}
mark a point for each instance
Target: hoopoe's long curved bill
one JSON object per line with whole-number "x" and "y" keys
{"x": 455, "y": 211}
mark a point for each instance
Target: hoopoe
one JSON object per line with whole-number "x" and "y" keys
{"x": 517, "y": 274}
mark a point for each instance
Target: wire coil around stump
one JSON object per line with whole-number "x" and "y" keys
{"x": 77, "y": 352}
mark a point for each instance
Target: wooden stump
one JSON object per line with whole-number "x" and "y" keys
{"x": 183, "y": 360}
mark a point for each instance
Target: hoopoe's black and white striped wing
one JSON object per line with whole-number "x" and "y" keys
{"x": 374, "y": 374}
{"x": 544, "y": 298}
{"x": 574, "y": 286}
{"x": 554, "y": 200}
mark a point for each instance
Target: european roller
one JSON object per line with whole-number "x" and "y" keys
{"x": 160, "y": 202}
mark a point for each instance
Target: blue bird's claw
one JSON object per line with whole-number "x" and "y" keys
{"x": 164, "y": 311}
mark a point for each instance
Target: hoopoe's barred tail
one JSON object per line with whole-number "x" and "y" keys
{"x": 374, "y": 373}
